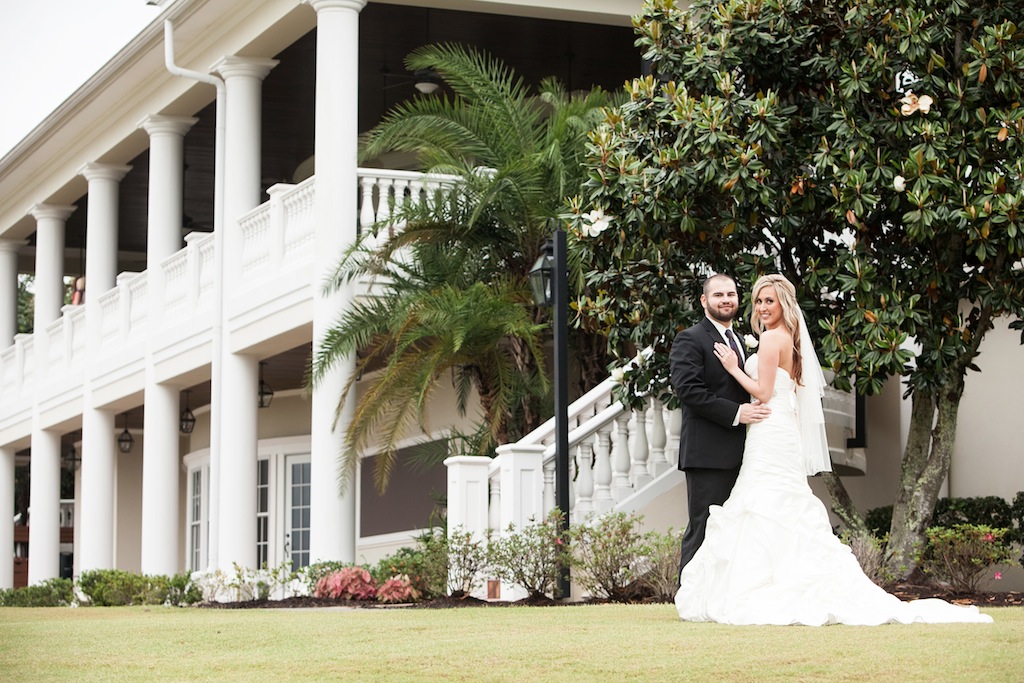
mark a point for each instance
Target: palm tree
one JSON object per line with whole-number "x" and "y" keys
{"x": 452, "y": 297}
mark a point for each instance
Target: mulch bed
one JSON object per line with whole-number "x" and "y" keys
{"x": 914, "y": 591}
{"x": 904, "y": 591}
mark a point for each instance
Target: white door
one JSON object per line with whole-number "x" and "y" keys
{"x": 297, "y": 513}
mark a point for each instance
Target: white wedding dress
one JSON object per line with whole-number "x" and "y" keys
{"x": 770, "y": 556}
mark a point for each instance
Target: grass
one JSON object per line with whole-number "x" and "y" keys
{"x": 534, "y": 644}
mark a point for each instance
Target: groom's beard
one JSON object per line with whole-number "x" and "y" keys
{"x": 724, "y": 318}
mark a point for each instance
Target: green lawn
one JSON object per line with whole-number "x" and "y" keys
{"x": 532, "y": 644}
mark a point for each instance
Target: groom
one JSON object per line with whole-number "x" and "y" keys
{"x": 715, "y": 409}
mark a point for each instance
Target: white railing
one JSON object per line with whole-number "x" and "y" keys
{"x": 383, "y": 192}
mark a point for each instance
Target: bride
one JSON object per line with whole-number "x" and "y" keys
{"x": 769, "y": 555}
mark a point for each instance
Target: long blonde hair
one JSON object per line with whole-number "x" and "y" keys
{"x": 790, "y": 314}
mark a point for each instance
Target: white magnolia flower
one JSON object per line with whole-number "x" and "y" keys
{"x": 618, "y": 375}
{"x": 598, "y": 223}
{"x": 750, "y": 341}
{"x": 899, "y": 183}
{"x": 911, "y": 103}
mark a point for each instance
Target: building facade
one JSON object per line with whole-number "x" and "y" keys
{"x": 202, "y": 186}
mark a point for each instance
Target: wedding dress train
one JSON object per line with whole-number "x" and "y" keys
{"x": 770, "y": 556}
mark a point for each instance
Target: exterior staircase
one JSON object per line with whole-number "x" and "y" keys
{"x": 620, "y": 460}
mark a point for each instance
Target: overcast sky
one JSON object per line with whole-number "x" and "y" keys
{"x": 50, "y": 48}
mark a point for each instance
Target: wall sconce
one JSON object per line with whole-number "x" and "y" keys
{"x": 125, "y": 441}
{"x": 187, "y": 421}
{"x": 266, "y": 393}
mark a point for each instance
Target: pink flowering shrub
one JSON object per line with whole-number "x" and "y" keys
{"x": 964, "y": 554}
{"x": 349, "y": 583}
{"x": 397, "y": 589}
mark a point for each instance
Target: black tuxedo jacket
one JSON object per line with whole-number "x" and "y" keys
{"x": 710, "y": 397}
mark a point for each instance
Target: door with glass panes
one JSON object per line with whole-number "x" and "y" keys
{"x": 297, "y": 512}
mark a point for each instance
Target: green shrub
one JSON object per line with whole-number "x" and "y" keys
{"x": 466, "y": 557}
{"x": 311, "y": 574}
{"x": 50, "y": 593}
{"x": 1017, "y": 512}
{"x": 533, "y": 556}
{"x": 879, "y": 520}
{"x": 992, "y": 511}
{"x": 114, "y": 587}
{"x": 964, "y": 554}
{"x": 608, "y": 555}
{"x": 869, "y": 551}
{"x": 411, "y": 563}
{"x": 660, "y": 577}
{"x": 182, "y": 591}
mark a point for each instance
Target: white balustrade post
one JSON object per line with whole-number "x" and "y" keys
{"x": 549, "y": 486}
{"x": 640, "y": 475}
{"x": 584, "y": 482}
{"x": 675, "y": 428}
{"x": 278, "y": 223}
{"x": 366, "y": 212}
{"x": 522, "y": 485}
{"x": 467, "y": 494}
{"x": 522, "y": 495}
{"x": 494, "y": 502}
{"x": 621, "y": 488}
{"x": 603, "y": 501}
{"x": 659, "y": 438}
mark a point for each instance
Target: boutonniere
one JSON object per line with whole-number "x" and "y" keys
{"x": 750, "y": 341}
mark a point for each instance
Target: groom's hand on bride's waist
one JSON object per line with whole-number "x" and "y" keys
{"x": 753, "y": 412}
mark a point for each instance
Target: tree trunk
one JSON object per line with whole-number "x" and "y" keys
{"x": 843, "y": 506}
{"x": 924, "y": 469}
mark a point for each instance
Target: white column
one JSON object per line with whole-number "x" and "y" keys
{"x": 99, "y": 466}
{"x": 44, "y": 506}
{"x": 49, "y": 282}
{"x": 166, "y": 184}
{"x": 101, "y": 226}
{"x": 160, "y": 474}
{"x": 161, "y": 456}
{"x": 236, "y": 535}
{"x": 6, "y": 528}
{"x": 8, "y": 292}
{"x": 333, "y": 533}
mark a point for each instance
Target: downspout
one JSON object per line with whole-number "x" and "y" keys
{"x": 217, "y": 329}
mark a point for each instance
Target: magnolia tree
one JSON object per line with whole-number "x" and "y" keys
{"x": 870, "y": 151}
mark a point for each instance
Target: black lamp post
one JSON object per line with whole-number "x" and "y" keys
{"x": 550, "y": 283}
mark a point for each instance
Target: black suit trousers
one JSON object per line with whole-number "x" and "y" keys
{"x": 704, "y": 487}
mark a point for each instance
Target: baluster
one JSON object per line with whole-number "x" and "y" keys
{"x": 641, "y": 452}
{"x": 402, "y": 202}
{"x": 494, "y": 506}
{"x": 366, "y": 216}
{"x": 658, "y": 438}
{"x": 549, "y": 486}
{"x": 572, "y": 482}
{"x": 584, "y": 481}
{"x": 384, "y": 201}
{"x": 675, "y": 427}
{"x": 621, "y": 488}
{"x": 603, "y": 473}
